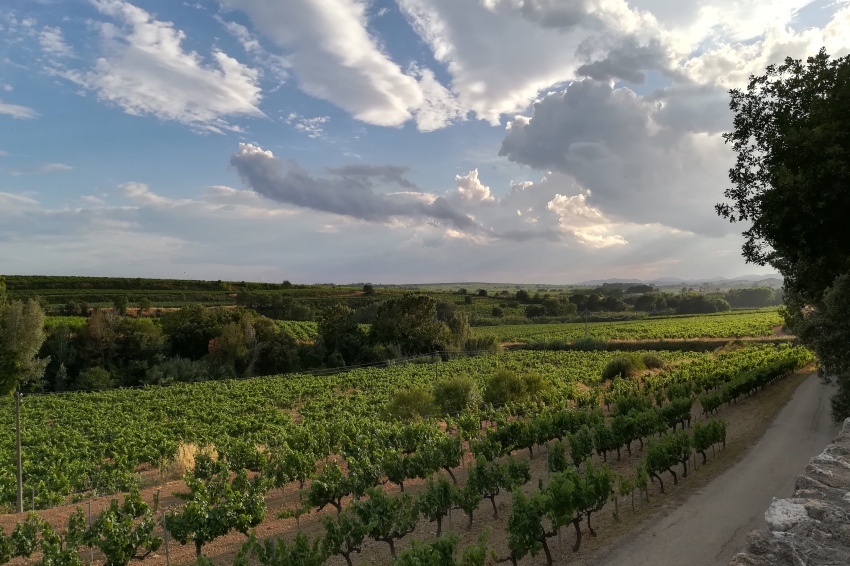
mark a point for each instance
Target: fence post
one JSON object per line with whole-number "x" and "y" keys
{"x": 91, "y": 548}
{"x": 20, "y": 467}
{"x": 165, "y": 539}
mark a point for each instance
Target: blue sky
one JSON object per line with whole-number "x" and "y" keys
{"x": 349, "y": 140}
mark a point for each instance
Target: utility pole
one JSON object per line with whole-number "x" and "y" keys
{"x": 20, "y": 467}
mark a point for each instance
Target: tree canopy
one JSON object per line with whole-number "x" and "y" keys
{"x": 790, "y": 184}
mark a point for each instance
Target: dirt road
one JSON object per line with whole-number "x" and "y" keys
{"x": 713, "y": 524}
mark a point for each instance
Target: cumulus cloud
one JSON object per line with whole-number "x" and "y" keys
{"x": 641, "y": 158}
{"x": 530, "y": 211}
{"x": 585, "y": 222}
{"x": 335, "y": 58}
{"x": 469, "y": 188}
{"x": 17, "y": 111}
{"x": 146, "y": 70}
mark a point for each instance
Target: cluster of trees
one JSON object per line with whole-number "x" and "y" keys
{"x": 789, "y": 184}
{"x": 197, "y": 344}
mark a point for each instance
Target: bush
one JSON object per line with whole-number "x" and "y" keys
{"x": 589, "y": 344}
{"x": 411, "y": 404}
{"x": 504, "y": 386}
{"x": 497, "y": 312}
{"x": 467, "y": 299}
{"x": 94, "y": 378}
{"x": 652, "y": 361}
{"x": 535, "y": 384}
{"x": 455, "y": 394}
{"x": 623, "y": 366}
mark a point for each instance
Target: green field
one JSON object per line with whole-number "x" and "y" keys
{"x": 77, "y": 442}
{"x": 735, "y": 324}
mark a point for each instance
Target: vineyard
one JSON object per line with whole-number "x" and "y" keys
{"x": 79, "y": 442}
{"x": 330, "y": 436}
{"x": 727, "y": 325}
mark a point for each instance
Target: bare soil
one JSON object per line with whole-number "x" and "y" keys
{"x": 746, "y": 423}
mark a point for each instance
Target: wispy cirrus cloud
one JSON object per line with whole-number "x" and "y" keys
{"x": 41, "y": 169}
{"x": 17, "y": 111}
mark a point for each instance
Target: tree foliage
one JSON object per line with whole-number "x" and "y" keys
{"x": 792, "y": 139}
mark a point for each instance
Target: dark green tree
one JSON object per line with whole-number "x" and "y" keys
{"x": 792, "y": 139}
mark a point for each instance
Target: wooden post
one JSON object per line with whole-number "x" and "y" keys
{"x": 20, "y": 466}
{"x": 91, "y": 548}
{"x": 165, "y": 540}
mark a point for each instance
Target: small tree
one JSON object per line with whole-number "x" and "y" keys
{"x": 329, "y": 487}
{"x": 410, "y": 404}
{"x": 145, "y": 305}
{"x": 455, "y": 394}
{"x": 581, "y": 445}
{"x": 344, "y": 535}
{"x": 526, "y": 534}
{"x": 487, "y": 479}
{"x": 217, "y": 506}
{"x": 467, "y": 498}
{"x": 387, "y": 518}
{"x": 119, "y": 303}
{"x": 435, "y": 502}
{"x": 504, "y": 386}
{"x": 368, "y": 289}
{"x": 21, "y": 337}
{"x": 124, "y": 533}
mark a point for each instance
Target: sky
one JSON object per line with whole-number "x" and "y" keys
{"x": 384, "y": 141}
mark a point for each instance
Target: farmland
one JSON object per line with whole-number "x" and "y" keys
{"x": 382, "y": 391}
{"x": 736, "y": 324}
{"x": 95, "y": 441}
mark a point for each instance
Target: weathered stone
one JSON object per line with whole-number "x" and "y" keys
{"x": 813, "y": 527}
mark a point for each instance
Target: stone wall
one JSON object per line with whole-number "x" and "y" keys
{"x": 813, "y": 527}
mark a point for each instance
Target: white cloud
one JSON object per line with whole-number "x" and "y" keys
{"x": 335, "y": 58}
{"x": 501, "y": 54}
{"x": 585, "y": 222}
{"x": 658, "y": 158}
{"x": 469, "y": 188}
{"x": 46, "y": 168}
{"x": 16, "y": 111}
{"x": 53, "y": 42}
{"x": 731, "y": 64}
{"x": 277, "y": 64}
{"x": 145, "y": 70}
{"x": 310, "y": 126}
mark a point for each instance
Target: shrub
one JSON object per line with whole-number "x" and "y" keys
{"x": 411, "y": 404}
{"x": 94, "y": 378}
{"x": 455, "y": 394}
{"x": 467, "y": 299}
{"x": 497, "y": 312}
{"x": 652, "y": 360}
{"x": 623, "y": 366}
{"x": 535, "y": 384}
{"x": 504, "y": 386}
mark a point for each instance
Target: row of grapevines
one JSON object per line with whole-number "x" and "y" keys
{"x": 727, "y": 325}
